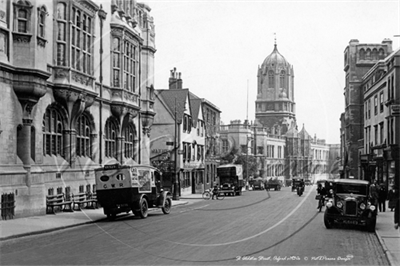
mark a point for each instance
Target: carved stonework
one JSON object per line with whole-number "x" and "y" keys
{"x": 41, "y": 42}
{"x": 84, "y": 80}
{"x": 117, "y": 32}
{"x": 146, "y": 131}
{"x": 61, "y": 73}
{"x": 21, "y": 38}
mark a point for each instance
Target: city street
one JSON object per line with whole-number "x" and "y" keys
{"x": 257, "y": 228}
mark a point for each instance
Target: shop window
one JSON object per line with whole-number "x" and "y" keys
{"x": 129, "y": 143}
{"x": 110, "y": 139}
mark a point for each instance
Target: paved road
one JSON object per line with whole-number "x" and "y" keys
{"x": 258, "y": 228}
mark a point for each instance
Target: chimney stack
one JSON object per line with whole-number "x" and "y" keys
{"x": 175, "y": 81}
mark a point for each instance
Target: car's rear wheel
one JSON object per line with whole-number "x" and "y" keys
{"x": 144, "y": 208}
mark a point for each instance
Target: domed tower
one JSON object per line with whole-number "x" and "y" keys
{"x": 275, "y": 106}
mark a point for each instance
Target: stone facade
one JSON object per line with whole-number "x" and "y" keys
{"x": 77, "y": 92}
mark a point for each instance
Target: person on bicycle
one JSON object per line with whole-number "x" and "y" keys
{"x": 322, "y": 192}
{"x": 215, "y": 191}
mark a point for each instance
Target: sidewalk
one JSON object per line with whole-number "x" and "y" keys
{"x": 388, "y": 236}
{"x": 26, "y": 226}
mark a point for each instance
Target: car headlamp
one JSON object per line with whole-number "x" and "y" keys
{"x": 362, "y": 206}
{"x": 339, "y": 204}
{"x": 329, "y": 204}
{"x": 372, "y": 208}
{"x": 331, "y": 191}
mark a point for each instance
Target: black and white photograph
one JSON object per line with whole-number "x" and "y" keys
{"x": 200, "y": 132}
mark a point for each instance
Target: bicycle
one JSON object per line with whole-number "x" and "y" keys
{"x": 208, "y": 195}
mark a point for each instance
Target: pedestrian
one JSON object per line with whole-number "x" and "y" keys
{"x": 397, "y": 213}
{"x": 382, "y": 197}
{"x": 392, "y": 197}
{"x": 373, "y": 193}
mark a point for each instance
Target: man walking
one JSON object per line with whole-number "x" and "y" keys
{"x": 382, "y": 197}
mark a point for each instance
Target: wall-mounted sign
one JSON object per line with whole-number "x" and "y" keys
{"x": 395, "y": 109}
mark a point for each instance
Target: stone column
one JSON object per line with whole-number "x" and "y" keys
{"x": 69, "y": 146}
{"x": 24, "y": 148}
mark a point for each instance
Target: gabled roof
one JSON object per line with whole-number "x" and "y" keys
{"x": 175, "y": 98}
{"x": 195, "y": 103}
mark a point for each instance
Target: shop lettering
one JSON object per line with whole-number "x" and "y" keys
{"x": 113, "y": 185}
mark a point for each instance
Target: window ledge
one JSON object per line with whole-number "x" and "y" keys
{"x": 22, "y": 37}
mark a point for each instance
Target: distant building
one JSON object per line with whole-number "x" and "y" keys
{"x": 281, "y": 150}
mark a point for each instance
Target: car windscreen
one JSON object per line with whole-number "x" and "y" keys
{"x": 352, "y": 188}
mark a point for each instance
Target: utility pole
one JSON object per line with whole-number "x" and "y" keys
{"x": 175, "y": 195}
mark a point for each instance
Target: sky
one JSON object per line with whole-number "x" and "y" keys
{"x": 219, "y": 45}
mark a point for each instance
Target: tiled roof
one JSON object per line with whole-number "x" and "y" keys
{"x": 172, "y": 97}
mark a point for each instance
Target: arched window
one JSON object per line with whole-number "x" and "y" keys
{"x": 42, "y": 13}
{"x": 368, "y": 54}
{"x": 283, "y": 80}
{"x": 374, "y": 54}
{"x": 22, "y": 14}
{"x": 111, "y": 134}
{"x": 53, "y": 132}
{"x": 129, "y": 145}
{"x": 362, "y": 54}
{"x": 271, "y": 79}
{"x": 381, "y": 53}
{"x": 83, "y": 136}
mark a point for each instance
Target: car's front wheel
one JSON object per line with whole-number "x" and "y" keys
{"x": 167, "y": 206}
{"x": 328, "y": 221}
{"x": 371, "y": 223}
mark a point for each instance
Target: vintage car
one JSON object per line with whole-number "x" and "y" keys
{"x": 136, "y": 188}
{"x": 350, "y": 204}
{"x": 274, "y": 184}
{"x": 295, "y": 182}
{"x": 257, "y": 183}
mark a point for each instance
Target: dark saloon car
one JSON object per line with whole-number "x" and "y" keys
{"x": 350, "y": 204}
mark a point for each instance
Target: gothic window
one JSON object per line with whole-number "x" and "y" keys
{"x": 53, "y": 132}
{"x": 81, "y": 39}
{"x": 130, "y": 66}
{"x": 61, "y": 34}
{"x": 362, "y": 54}
{"x": 111, "y": 134}
{"x": 22, "y": 14}
{"x": 368, "y": 54}
{"x": 129, "y": 143}
{"x": 374, "y": 54}
{"x": 381, "y": 53}
{"x": 271, "y": 79}
{"x": 116, "y": 51}
{"x": 83, "y": 136}
{"x": 75, "y": 35}
{"x": 42, "y": 13}
{"x": 282, "y": 80}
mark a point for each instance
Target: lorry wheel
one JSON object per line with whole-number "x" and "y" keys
{"x": 371, "y": 223}
{"x": 167, "y": 206}
{"x": 328, "y": 222}
{"x": 144, "y": 208}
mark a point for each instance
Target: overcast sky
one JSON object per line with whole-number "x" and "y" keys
{"x": 219, "y": 45}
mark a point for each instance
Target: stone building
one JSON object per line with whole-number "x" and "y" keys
{"x": 281, "y": 150}
{"x": 275, "y": 106}
{"x": 77, "y": 92}
{"x": 359, "y": 58}
{"x": 178, "y": 139}
{"x": 379, "y": 154}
